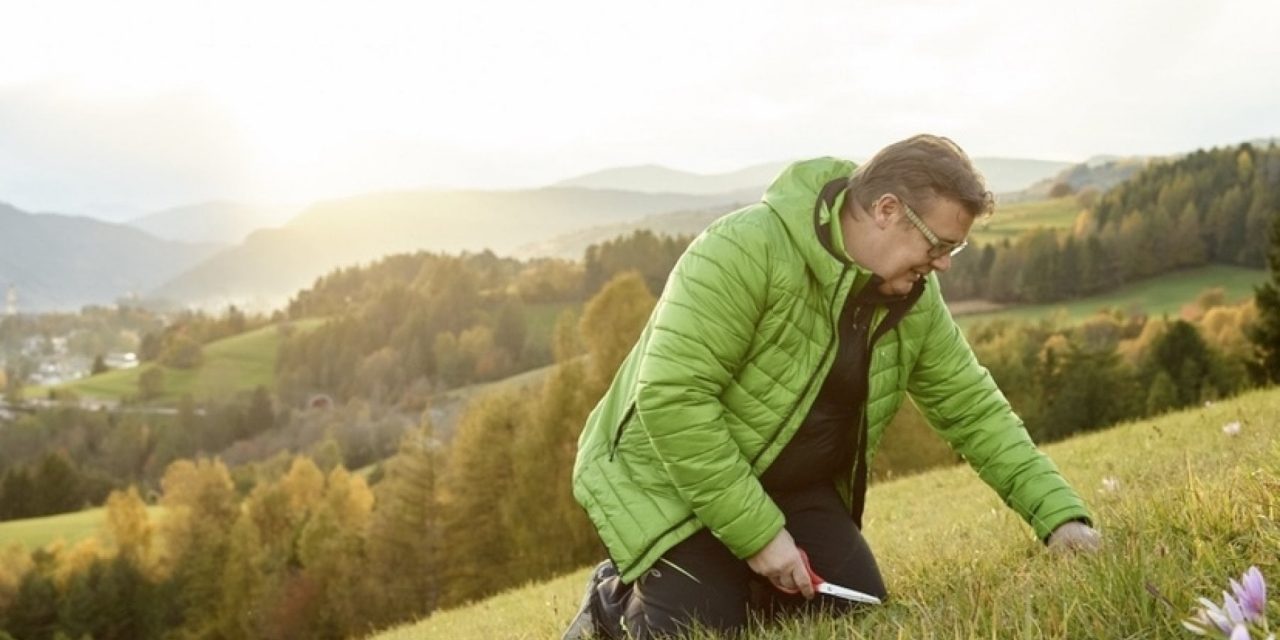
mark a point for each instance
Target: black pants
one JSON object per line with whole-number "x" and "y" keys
{"x": 700, "y": 581}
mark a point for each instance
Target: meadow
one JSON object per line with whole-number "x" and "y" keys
{"x": 1182, "y": 504}
{"x": 231, "y": 365}
{"x": 34, "y": 533}
{"x": 1157, "y": 296}
{"x": 1011, "y": 220}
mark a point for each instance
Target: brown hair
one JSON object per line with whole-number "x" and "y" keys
{"x": 922, "y": 166}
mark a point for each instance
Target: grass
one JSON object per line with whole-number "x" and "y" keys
{"x": 234, "y": 364}
{"x": 1011, "y": 220}
{"x": 1155, "y": 296}
{"x": 1193, "y": 507}
{"x": 34, "y": 533}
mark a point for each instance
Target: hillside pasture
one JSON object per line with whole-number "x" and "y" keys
{"x": 1183, "y": 507}
{"x": 1010, "y": 220}
{"x": 35, "y": 533}
{"x": 231, "y": 365}
{"x": 1157, "y": 296}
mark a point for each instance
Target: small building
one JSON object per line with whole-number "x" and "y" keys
{"x": 320, "y": 401}
{"x": 121, "y": 360}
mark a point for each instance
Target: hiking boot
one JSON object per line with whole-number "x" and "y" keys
{"x": 583, "y": 625}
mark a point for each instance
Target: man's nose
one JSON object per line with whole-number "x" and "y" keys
{"x": 941, "y": 263}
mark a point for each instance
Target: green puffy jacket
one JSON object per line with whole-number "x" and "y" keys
{"x": 730, "y": 362}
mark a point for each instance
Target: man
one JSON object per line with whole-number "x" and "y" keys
{"x": 740, "y": 428}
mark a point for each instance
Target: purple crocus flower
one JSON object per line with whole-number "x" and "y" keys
{"x": 1214, "y": 616}
{"x": 1251, "y": 593}
{"x": 1233, "y": 610}
{"x": 1241, "y": 632}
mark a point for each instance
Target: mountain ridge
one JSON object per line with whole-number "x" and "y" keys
{"x": 63, "y": 262}
{"x": 272, "y": 264}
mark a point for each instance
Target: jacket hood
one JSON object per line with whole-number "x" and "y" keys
{"x": 804, "y": 197}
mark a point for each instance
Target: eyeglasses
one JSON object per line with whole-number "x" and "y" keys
{"x": 938, "y": 246}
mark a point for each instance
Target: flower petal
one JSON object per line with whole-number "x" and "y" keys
{"x": 1235, "y": 613}
{"x": 1195, "y": 627}
{"x": 1255, "y": 592}
{"x": 1219, "y": 619}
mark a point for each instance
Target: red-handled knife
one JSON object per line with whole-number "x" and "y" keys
{"x": 834, "y": 590}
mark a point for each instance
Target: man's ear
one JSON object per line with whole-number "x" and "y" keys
{"x": 882, "y": 211}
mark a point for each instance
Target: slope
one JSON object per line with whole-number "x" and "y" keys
{"x": 238, "y": 363}
{"x": 1183, "y": 507}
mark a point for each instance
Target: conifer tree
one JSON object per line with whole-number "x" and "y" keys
{"x": 1182, "y": 354}
{"x": 17, "y": 494}
{"x": 34, "y": 611}
{"x": 200, "y": 509}
{"x": 477, "y": 549}
{"x": 332, "y": 551}
{"x": 404, "y": 532}
{"x": 59, "y": 485}
{"x": 243, "y": 583}
{"x": 1266, "y": 332}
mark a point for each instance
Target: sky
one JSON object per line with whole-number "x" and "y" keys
{"x": 116, "y": 109}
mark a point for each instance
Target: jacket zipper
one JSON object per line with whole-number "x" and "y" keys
{"x": 864, "y": 426}
{"x": 622, "y": 426}
{"x": 858, "y": 461}
{"x": 835, "y": 334}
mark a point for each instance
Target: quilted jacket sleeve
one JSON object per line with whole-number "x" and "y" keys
{"x": 702, "y": 328}
{"x": 962, "y": 402}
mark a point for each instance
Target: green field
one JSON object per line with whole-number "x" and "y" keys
{"x": 1011, "y": 220}
{"x": 1157, "y": 296}
{"x": 34, "y": 533}
{"x": 234, "y": 364}
{"x": 1185, "y": 508}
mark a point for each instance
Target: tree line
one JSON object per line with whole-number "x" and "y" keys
{"x": 414, "y": 324}
{"x": 66, "y": 458}
{"x": 1210, "y": 207}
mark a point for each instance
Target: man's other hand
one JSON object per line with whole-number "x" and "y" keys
{"x": 781, "y": 563}
{"x": 1075, "y": 536}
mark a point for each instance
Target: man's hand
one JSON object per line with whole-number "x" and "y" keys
{"x": 780, "y": 562}
{"x": 1075, "y": 536}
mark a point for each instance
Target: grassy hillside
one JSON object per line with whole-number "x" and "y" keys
{"x": 33, "y": 533}
{"x": 1155, "y": 296}
{"x": 1011, "y": 220}
{"x": 234, "y": 364}
{"x": 1185, "y": 507}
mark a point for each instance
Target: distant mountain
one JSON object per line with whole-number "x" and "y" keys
{"x": 272, "y": 264}
{"x": 1014, "y": 174}
{"x": 652, "y": 178}
{"x": 573, "y": 245}
{"x": 217, "y": 222}
{"x": 1099, "y": 173}
{"x": 1002, "y": 174}
{"x": 58, "y": 262}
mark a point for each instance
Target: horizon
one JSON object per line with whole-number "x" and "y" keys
{"x": 303, "y": 103}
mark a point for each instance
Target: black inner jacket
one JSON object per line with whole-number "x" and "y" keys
{"x": 834, "y": 433}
